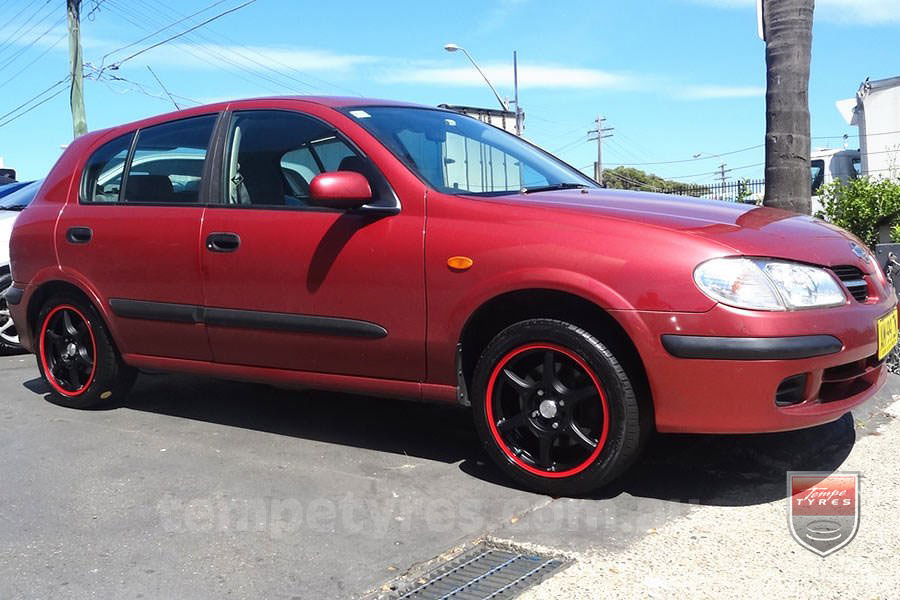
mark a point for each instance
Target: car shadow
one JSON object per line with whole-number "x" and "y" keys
{"x": 385, "y": 425}
{"x": 722, "y": 470}
{"x": 726, "y": 470}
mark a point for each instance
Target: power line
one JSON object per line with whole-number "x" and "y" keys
{"x": 119, "y": 63}
{"x": 169, "y": 26}
{"x": 581, "y": 139}
{"x": 127, "y": 15}
{"x": 693, "y": 159}
{"x": 39, "y": 56}
{"x": 266, "y": 62}
{"x": 11, "y": 59}
{"x": 61, "y": 82}
{"x": 14, "y": 40}
{"x": 225, "y": 61}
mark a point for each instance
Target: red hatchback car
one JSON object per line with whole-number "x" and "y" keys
{"x": 406, "y": 251}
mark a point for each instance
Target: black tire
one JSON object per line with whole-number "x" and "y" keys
{"x": 71, "y": 337}
{"x": 515, "y": 408}
{"x": 9, "y": 338}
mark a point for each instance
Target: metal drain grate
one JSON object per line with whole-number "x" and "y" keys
{"x": 481, "y": 573}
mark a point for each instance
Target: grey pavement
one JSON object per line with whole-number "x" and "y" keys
{"x": 202, "y": 488}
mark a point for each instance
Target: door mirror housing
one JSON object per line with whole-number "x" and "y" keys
{"x": 339, "y": 189}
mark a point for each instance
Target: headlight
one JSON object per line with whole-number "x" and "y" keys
{"x": 762, "y": 284}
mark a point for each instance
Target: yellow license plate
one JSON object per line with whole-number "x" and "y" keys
{"x": 887, "y": 333}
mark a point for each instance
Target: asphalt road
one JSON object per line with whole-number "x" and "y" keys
{"x": 200, "y": 488}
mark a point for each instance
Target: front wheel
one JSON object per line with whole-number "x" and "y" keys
{"x": 76, "y": 355}
{"x": 555, "y": 409}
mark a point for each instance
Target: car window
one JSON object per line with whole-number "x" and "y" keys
{"x": 102, "y": 178}
{"x": 817, "y": 175}
{"x": 460, "y": 155}
{"x": 273, "y": 155}
{"x": 167, "y": 164}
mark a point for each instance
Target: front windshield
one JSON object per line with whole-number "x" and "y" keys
{"x": 456, "y": 154}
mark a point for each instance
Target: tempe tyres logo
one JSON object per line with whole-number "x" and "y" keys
{"x": 823, "y": 514}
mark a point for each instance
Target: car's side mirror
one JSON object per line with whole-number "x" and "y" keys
{"x": 339, "y": 189}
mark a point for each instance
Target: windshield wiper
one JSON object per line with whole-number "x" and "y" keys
{"x": 15, "y": 208}
{"x": 554, "y": 186}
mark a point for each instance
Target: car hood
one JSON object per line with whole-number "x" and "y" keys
{"x": 7, "y": 220}
{"x": 744, "y": 229}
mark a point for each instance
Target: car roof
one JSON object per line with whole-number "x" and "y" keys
{"x": 335, "y": 102}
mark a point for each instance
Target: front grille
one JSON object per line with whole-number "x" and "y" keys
{"x": 854, "y": 280}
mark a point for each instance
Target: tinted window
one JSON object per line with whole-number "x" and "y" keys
{"x": 817, "y": 175}
{"x": 457, "y": 154}
{"x": 102, "y": 178}
{"x": 167, "y": 166}
{"x": 273, "y": 155}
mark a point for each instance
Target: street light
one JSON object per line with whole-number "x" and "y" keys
{"x": 454, "y": 48}
{"x": 503, "y": 104}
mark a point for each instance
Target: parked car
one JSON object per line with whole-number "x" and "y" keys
{"x": 399, "y": 250}
{"x": 8, "y": 187}
{"x": 12, "y": 202}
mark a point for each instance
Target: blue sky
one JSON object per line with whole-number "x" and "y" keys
{"x": 673, "y": 77}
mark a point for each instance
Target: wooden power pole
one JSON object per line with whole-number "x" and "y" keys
{"x": 600, "y": 132}
{"x": 787, "y": 30}
{"x": 76, "y": 93}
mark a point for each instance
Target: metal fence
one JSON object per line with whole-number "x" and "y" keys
{"x": 743, "y": 190}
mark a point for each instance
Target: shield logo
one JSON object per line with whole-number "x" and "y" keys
{"x": 823, "y": 509}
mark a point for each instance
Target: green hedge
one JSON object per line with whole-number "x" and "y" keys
{"x": 858, "y": 204}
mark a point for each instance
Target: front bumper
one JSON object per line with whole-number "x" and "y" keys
{"x": 720, "y": 371}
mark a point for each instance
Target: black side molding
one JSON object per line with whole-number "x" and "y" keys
{"x": 156, "y": 311}
{"x": 13, "y": 295}
{"x": 247, "y": 319}
{"x": 231, "y": 317}
{"x": 750, "y": 348}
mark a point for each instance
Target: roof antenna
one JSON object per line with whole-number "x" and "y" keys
{"x": 164, "y": 88}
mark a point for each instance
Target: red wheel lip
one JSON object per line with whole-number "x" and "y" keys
{"x": 48, "y": 375}
{"x": 489, "y": 410}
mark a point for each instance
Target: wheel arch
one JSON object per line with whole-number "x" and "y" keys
{"x": 504, "y": 309}
{"x": 56, "y": 282}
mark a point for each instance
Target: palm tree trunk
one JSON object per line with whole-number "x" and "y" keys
{"x": 788, "y": 28}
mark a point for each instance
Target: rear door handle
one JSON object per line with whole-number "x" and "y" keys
{"x": 79, "y": 235}
{"x": 223, "y": 242}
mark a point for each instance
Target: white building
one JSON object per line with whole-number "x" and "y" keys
{"x": 876, "y": 112}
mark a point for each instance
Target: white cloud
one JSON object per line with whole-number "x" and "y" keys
{"x": 718, "y": 92}
{"x": 530, "y": 76}
{"x": 849, "y": 12}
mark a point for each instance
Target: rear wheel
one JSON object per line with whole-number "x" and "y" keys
{"x": 555, "y": 409}
{"x": 77, "y": 356}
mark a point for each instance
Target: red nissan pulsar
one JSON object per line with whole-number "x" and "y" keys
{"x": 405, "y": 251}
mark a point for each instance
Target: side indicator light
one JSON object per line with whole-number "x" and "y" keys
{"x": 460, "y": 263}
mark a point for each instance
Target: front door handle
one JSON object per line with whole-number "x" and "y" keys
{"x": 223, "y": 242}
{"x": 79, "y": 235}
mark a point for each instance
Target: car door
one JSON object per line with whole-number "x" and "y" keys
{"x": 292, "y": 286}
{"x": 134, "y": 231}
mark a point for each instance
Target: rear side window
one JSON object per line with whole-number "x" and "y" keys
{"x": 167, "y": 164}
{"x": 103, "y": 173}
